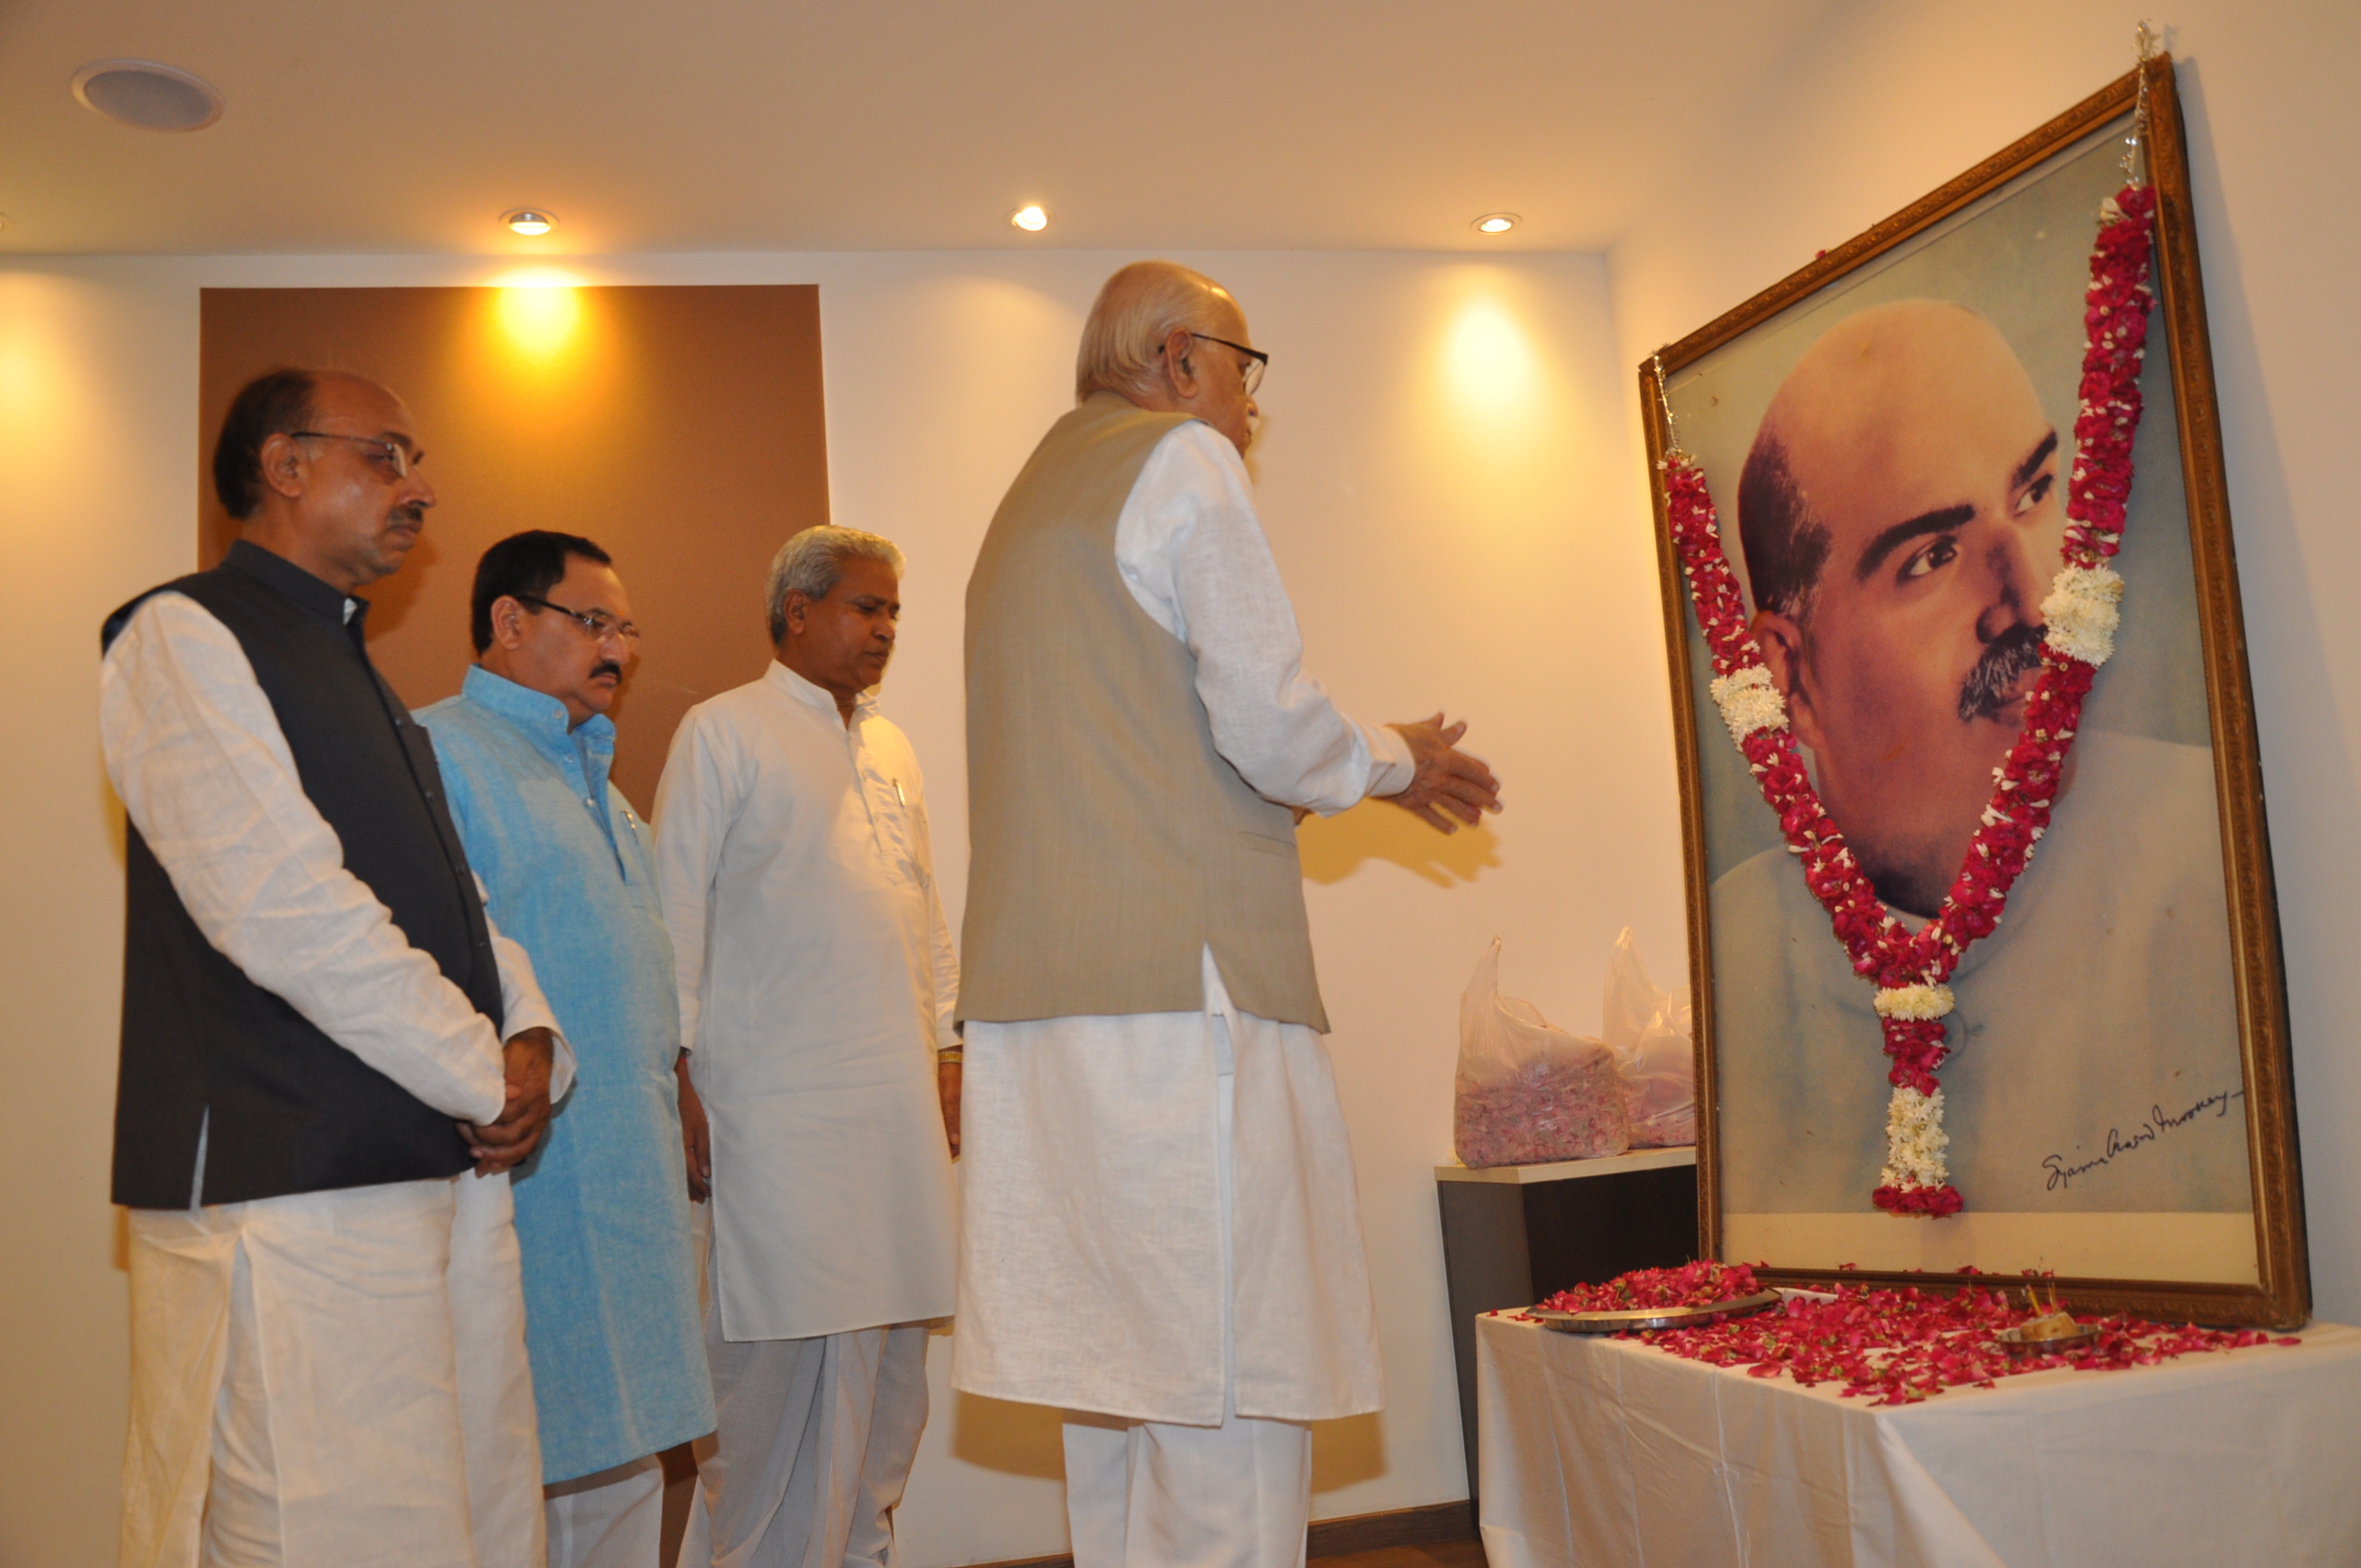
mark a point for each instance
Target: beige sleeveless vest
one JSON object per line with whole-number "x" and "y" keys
{"x": 1112, "y": 844}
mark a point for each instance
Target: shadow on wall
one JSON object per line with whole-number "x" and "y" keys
{"x": 1334, "y": 848}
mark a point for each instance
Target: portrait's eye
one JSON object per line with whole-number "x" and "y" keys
{"x": 1940, "y": 552}
{"x": 2035, "y": 493}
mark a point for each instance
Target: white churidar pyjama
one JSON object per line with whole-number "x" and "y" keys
{"x": 1151, "y": 1494}
{"x": 1159, "y": 1495}
{"x": 613, "y": 1518}
{"x": 297, "y": 1371}
{"x": 814, "y": 1448}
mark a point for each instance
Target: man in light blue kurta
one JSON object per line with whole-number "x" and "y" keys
{"x": 612, "y": 1317}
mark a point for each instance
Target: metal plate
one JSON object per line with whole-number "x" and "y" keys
{"x": 1653, "y": 1317}
{"x": 2013, "y": 1342}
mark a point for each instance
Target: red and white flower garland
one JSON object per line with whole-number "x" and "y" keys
{"x": 2079, "y": 614}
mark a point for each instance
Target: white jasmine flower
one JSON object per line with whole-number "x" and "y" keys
{"x": 1915, "y": 1140}
{"x": 1912, "y": 1002}
{"x": 1749, "y": 702}
{"x": 2080, "y": 613}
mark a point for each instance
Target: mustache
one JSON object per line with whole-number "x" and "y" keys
{"x": 606, "y": 667}
{"x": 414, "y": 516}
{"x": 2010, "y": 656}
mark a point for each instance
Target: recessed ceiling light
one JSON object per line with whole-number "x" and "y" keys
{"x": 1030, "y": 218}
{"x": 530, "y": 221}
{"x": 1496, "y": 222}
{"x": 143, "y": 94}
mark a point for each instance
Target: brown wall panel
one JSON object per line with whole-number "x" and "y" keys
{"x": 681, "y": 428}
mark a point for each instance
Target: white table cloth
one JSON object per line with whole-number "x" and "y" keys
{"x": 1594, "y": 1451}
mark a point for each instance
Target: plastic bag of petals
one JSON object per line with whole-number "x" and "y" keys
{"x": 1529, "y": 1093}
{"x": 1648, "y": 1030}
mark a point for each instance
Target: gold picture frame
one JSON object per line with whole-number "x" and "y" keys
{"x": 2150, "y": 1278}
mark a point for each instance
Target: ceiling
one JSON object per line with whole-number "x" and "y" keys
{"x": 882, "y": 125}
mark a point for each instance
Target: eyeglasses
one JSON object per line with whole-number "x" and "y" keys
{"x": 1257, "y": 360}
{"x": 389, "y": 455}
{"x": 596, "y": 622}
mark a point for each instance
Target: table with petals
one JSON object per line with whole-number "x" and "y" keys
{"x": 1597, "y": 1451}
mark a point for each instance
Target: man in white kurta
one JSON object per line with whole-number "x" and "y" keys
{"x": 817, "y": 980}
{"x": 1160, "y": 1228}
{"x": 327, "y": 1346}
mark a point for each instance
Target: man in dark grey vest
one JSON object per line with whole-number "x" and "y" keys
{"x": 1159, "y": 1226}
{"x": 327, "y": 1330}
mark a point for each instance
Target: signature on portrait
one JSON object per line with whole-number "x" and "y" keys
{"x": 2158, "y": 1123}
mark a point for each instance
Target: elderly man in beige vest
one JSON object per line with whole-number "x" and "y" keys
{"x": 1159, "y": 1231}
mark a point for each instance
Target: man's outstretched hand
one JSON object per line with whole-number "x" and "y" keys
{"x": 1449, "y": 783}
{"x": 511, "y": 1141}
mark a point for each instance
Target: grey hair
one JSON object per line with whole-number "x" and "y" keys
{"x": 1123, "y": 340}
{"x": 809, "y": 564}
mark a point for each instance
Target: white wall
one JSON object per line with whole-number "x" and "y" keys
{"x": 1445, "y": 481}
{"x": 1886, "y": 101}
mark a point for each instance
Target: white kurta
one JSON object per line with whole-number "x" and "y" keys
{"x": 254, "y": 1417}
{"x": 817, "y": 982}
{"x": 1096, "y": 1272}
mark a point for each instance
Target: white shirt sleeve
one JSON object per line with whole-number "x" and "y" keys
{"x": 697, "y": 800}
{"x": 945, "y": 957}
{"x": 523, "y": 1006}
{"x": 205, "y": 773}
{"x": 1191, "y": 550}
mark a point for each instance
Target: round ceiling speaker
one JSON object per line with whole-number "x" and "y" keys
{"x": 150, "y": 96}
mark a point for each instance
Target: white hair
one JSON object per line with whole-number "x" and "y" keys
{"x": 1137, "y": 310}
{"x": 809, "y": 564}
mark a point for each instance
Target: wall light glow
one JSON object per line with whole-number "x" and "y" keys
{"x": 61, "y": 421}
{"x": 1030, "y": 218}
{"x": 1488, "y": 359}
{"x": 20, "y": 377}
{"x": 540, "y": 310}
{"x": 1492, "y": 408}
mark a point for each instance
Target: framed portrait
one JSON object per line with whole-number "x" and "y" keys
{"x": 1887, "y": 436}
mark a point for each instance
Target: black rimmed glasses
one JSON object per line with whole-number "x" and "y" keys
{"x": 1257, "y": 360}
{"x": 389, "y": 455}
{"x": 596, "y": 622}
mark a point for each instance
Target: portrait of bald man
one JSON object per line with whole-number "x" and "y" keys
{"x": 1901, "y": 510}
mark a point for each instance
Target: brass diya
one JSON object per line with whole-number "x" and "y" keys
{"x": 2050, "y": 1332}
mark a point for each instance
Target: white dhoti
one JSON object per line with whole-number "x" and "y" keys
{"x": 1159, "y": 1224}
{"x": 814, "y": 1448}
{"x": 332, "y": 1378}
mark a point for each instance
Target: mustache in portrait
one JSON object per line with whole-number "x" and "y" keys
{"x": 2011, "y": 654}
